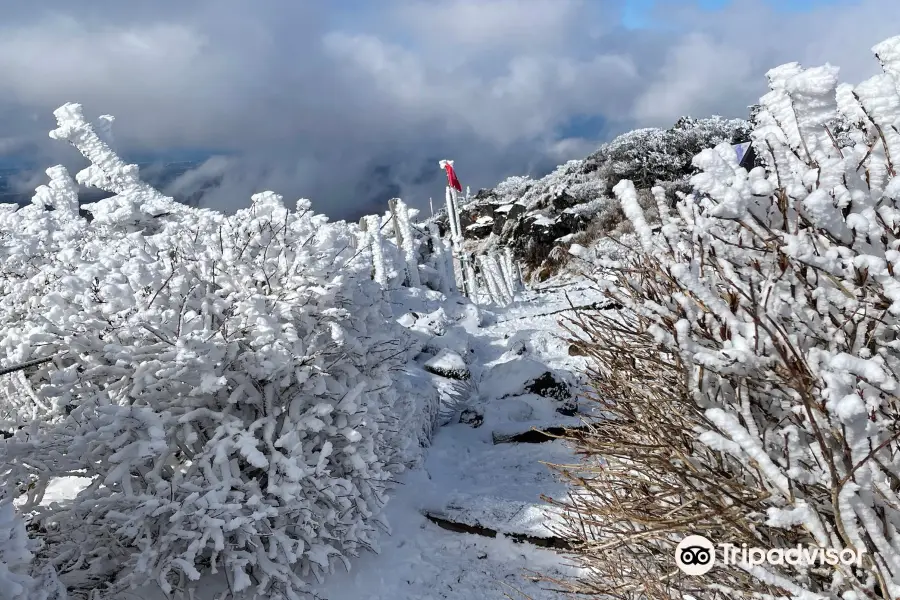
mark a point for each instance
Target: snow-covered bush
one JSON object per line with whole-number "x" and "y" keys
{"x": 652, "y": 155}
{"x": 233, "y": 386}
{"x": 17, "y": 578}
{"x": 751, "y": 382}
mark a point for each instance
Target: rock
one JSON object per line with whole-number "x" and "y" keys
{"x": 573, "y": 221}
{"x": 517, "y": 410}
{"x": 448, "y": 364}
{"x": 532, "y": 237}
{"x": 569, "y": 408}
{"x": 549, "y": 386}
{"x": 479, "y": 231}
{"x": 577, "y": 350}
{"x": 561, "y": 200}
{"x": 408, "y": 320}
{"x": 465, "y": 219}
{"x": 508, "y": 379}
{"x": 472, "y": 418}
{"x": 505, "y": 213}
{"x": 434, "y": 323}
{"x": 484, "y": 194}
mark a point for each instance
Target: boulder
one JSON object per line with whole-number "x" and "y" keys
{"x": 573, "y": 221}
{"x": 448, "y": 364}
{"x": 569, "y": 407}
{"x": 471, "y": 417}
{"x": 480, "y": 230}
{"x": 548, "y": 386}
{"x": 506, "y": 213}
{"x": 517, "y": 410}
{"x": 561, "y": 200}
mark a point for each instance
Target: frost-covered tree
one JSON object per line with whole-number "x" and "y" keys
{"x": 234, "y": 387}
{"x": 751, "y": 381}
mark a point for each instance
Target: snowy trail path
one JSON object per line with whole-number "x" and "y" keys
{"x": 419, "y": 560}
{"x": 465, "y": 472}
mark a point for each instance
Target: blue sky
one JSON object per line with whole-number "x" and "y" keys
{"x": 345, "y": 102}
{"x": 639, "y": 14}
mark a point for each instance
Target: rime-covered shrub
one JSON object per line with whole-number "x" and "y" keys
{"x": 233, "y": 386}
{"x": 751, "y": 381}
{"x": 18, "y": 577}
{"x": 649, "y": 156}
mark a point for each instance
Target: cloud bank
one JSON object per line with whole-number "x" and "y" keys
{"x": 349, "y": 103}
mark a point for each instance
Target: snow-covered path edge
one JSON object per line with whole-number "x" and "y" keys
{"x": 418, "y": 559}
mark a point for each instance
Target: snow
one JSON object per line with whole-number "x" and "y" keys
{"x": 464, "y": 475}
{"x": 304, "y": 454}
{"x": 544, "y": 221}
{"x": 449, "y": 363}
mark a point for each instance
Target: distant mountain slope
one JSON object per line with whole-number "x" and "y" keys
{"x": 574, "y": 202}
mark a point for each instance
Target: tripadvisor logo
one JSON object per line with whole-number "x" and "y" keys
{"x": 696, "y": 555}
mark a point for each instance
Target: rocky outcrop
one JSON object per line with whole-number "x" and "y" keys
{"x": 480, "y": 230}
{"x": 506, "y": 213}
{"x": 532, "y": 215}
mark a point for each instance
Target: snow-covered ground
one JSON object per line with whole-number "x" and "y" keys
{"x": 468, "y": 478}
{"x": 464, "y": 470}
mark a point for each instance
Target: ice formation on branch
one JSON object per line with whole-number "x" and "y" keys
{"x": 773, "y": 297}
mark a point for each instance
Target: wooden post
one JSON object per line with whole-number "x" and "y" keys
{"x": 398, "y": 233}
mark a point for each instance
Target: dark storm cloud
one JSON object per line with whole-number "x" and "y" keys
{"x": 349, "y": 103}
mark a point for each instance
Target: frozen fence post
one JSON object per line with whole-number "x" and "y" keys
{"x": 510, "y": 271}
{"x": 505, "y": 294}
{"x": 499, "y": 265}
{"x": 490, "y": 279}
{"x": 374, "y": 230}
{"x": 405, "y": 240}
{"x": 456, "y": 238}
{"x": 472, "y": 281}
{"x": 398, "y": 232}
{"x": 442, "y": 261}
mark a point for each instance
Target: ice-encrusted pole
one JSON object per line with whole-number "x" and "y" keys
{"x": 493, "y": 266}
{"x": 489, "y": 280}
{"x": 442, "y": 261}
{"x": 510, "y": 271}
{"x": 456, "y": 238}
{"x": 373, "y": 226}
{"x": 405, "y": 235}
{"x": 503, "y": 273}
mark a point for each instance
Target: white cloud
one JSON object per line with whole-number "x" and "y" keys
{"x": 700, "y": 77}
{"x": 478, "y": 26}
{"x": 346, "y": 107}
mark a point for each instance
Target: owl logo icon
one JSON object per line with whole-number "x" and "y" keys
{"x": 695, "y": 555}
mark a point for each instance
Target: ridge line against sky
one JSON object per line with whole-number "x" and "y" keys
{"x": 351, "y": 102}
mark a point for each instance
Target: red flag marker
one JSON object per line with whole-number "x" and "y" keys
{"x": 452, "y": 180}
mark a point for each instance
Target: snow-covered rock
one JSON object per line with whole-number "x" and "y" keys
{"x": 448, "y": 364}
